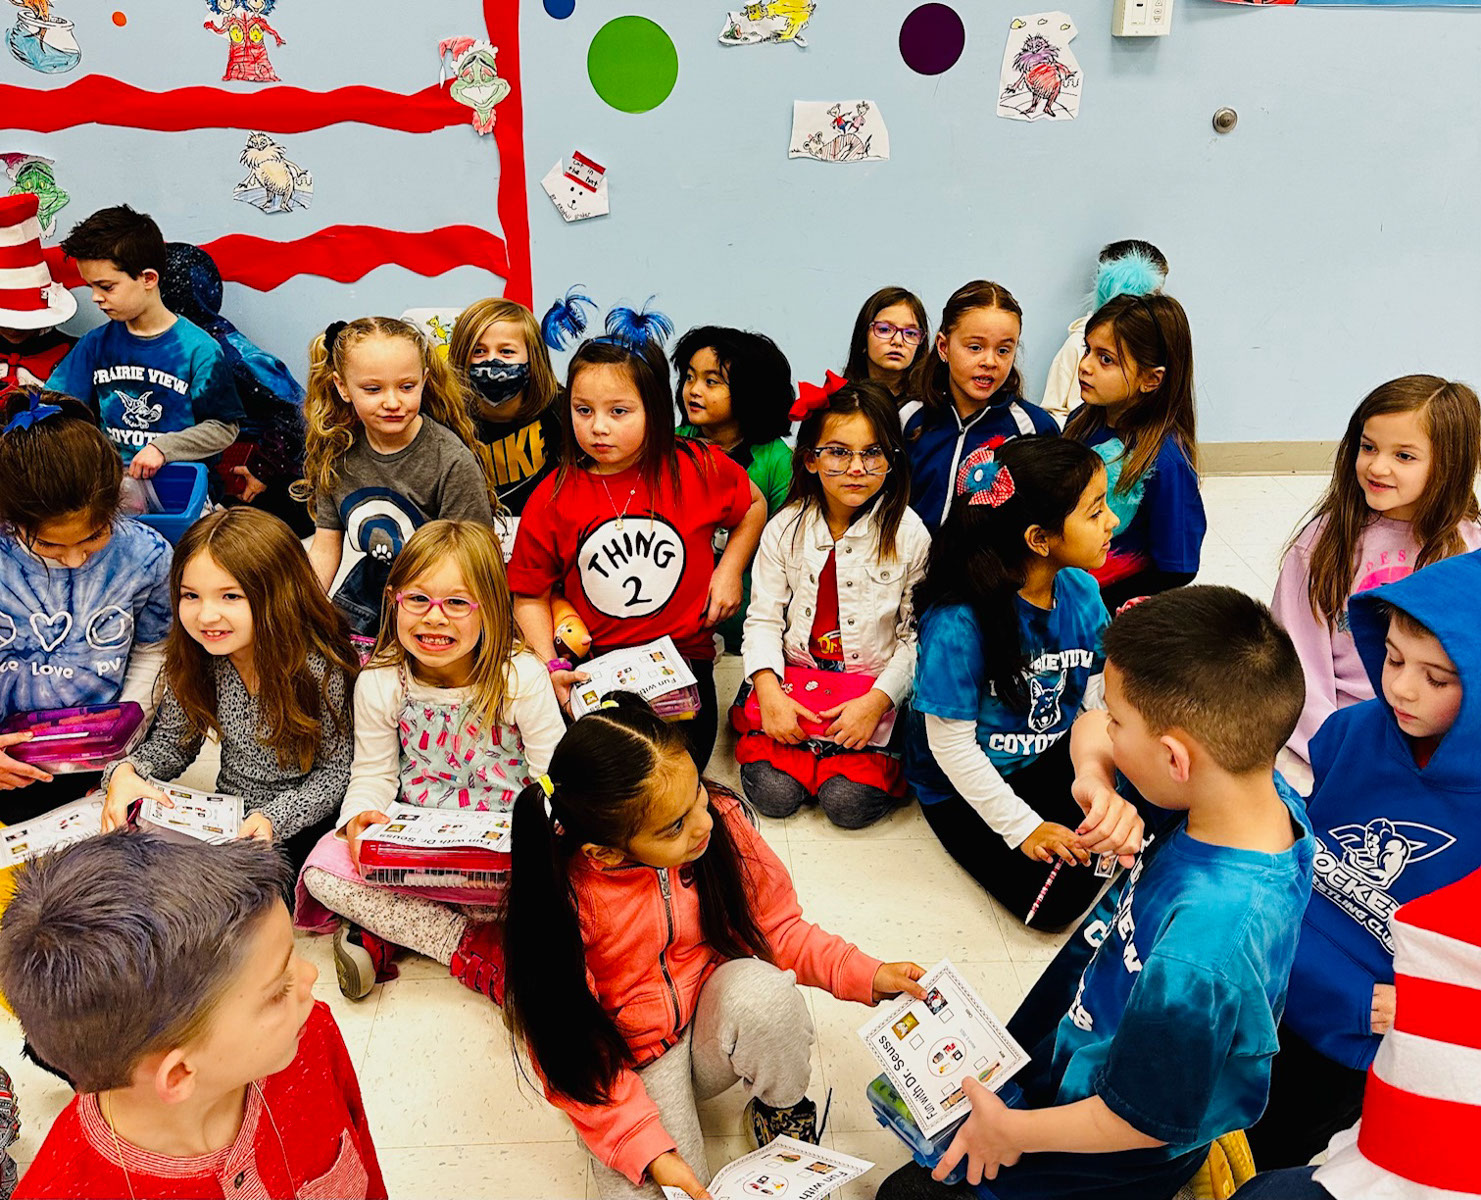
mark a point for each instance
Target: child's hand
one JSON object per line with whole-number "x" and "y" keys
{"x": 148, "y": 461}
{"x": 670, "y": 1170}
{"x": 1112, "y": 824}
{"x": 124, "y": 787}
{"x": 1050, "y": 841}
{"x": 725, "y": 595}
{"x": 563, "y": 682}
{"x": 984, "y": 1138}
{"x": 14, "y": 773}
{"x": 780, "y": 716}
{"x": 355, "y": 829}
{"x": 854, "y": 723}
{"x": 1384, "y": 996}
{"x": 893, "y": 978}
{"x": 253, "y": 488}
{"x": 256, "y": 826}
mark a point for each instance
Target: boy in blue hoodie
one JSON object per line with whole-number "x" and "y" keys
{"x": 1166, "y": 1042}
{"x": 1396, "y": 808}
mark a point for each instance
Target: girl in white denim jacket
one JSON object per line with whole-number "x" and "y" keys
{"x": 831, "y": 592}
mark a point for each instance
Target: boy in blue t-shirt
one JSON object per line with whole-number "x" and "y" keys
{"x": 1166, "y": 1041}
{"x": 160, "y": 385}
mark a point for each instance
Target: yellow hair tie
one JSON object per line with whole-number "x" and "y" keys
{"x": 546, "y": 786}
{"x": 609, "y": 704}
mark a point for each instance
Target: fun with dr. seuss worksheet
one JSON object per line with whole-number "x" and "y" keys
{"x": 441, "y": 829}
{"x": 50, "y": 831}
{"x": 783, "y": 1167}
{"x": 927, "y": 1046}
{"x": 655, "y": 672}
{"x": 205, "y": 816}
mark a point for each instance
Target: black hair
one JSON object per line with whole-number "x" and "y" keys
{"x": 1111, "y": 251}
{"x": 980, "y": 556}
{"x": 755, "y": 370}
{"x": 1214, "y": 663}
{"x": 601, "y": 775}
{"x": 874, "y": 402}
{"x": 130, "y": 240}
{"x": 60, "y": 464}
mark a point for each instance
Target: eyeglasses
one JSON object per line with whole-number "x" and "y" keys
{"x": 837, "y": 460}
{"x": 419, "y": 604}
{"x": 885, "y": 332}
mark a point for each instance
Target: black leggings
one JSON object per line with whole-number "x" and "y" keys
{"x": 1014, "y": 879}
{"x": 1150, "y": 582}
{"x": 24, "y": 804}
{"x": 1311, "y": 1098}
{"x": 702, "y": 731}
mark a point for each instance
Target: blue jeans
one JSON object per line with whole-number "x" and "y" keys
{"x": 1294, "y": 1183}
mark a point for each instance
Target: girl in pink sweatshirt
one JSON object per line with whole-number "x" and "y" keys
{"x": 654, "y": 943}
{"x": 1402, "y": 496}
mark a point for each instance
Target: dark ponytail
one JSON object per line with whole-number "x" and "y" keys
{"x": 980, "y": 557}
{"x": 600, "y": 776}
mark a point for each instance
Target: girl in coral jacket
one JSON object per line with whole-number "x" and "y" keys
{"x": 654, "y": 943}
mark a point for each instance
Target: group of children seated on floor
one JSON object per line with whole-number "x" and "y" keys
{"x": 932, "y": 555}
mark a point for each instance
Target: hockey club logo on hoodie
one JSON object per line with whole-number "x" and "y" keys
{"x": 1372, "y": 857}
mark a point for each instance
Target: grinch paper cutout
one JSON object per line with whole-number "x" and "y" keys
{"x": 34, "y": 174}
{"x": 271, "y": 178}
{"x": 43, "y": 42}
{"x": 476, "y": 81}
{"x": 244, "y": 25}
{"x": 768, "y": 21}
{"x": 1040, "y": 77}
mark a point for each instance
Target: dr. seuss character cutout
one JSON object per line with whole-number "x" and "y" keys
{"x": 273, "y": 183}
{"x": 244, "y": 25}
{"x": 1040, "y": 77}
{"x": 41, "y": 40}
{"x": 475, "y": 76}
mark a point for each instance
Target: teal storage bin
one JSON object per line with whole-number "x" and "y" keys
{"x": 183, "y": 490}
{"x": 891, "y": 1112}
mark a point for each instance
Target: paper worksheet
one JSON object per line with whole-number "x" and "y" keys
{"x": 443, "y": 829}
{"x": 50, "y": 831}
{"x": 203, "y": 816}
{"x": 927, "y": 1046}
{"x": 784, "y": 1167}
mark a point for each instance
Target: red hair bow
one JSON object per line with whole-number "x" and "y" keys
{"x": 811, "y": 397}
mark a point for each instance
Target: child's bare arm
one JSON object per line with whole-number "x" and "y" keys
{"x": 324, "y": 554}
{"x": 996, "y": 1136}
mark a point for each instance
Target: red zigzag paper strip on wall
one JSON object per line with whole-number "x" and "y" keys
{"x": 98, "y": 100}
{"x": 341, "y": 252}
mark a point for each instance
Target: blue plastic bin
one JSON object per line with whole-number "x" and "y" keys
{"x": 890, "y": 1111}
{"x": 182, "y": 489}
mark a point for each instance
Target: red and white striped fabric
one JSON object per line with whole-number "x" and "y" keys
{"x": 1420, "y": 1136}
{"x": 29, "y": 299}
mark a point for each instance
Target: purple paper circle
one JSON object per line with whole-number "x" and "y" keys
{"x": 932, "y": 38}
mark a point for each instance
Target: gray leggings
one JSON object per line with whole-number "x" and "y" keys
{"x": 751, "y": 1026}
{"x": 426, "y": 926}
{"x": 849, "y": 805}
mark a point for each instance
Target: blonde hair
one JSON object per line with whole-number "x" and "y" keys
{"x": 475, "y": 550}
{"x": 474, "y": 321}
{"x": 330, "y": 418}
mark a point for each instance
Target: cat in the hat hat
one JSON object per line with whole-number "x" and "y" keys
{"x": 32, "y": 304}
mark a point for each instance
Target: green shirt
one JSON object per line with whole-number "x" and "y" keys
{"x": 770, "y": 469}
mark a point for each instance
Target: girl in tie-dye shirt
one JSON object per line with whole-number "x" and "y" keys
{"x": 452, "y": 712}
{"x": 84, "y": 594}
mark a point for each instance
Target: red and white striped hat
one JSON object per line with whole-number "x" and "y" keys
{"x": 1420, "y": 1136}
{"x": 29, "y": 299}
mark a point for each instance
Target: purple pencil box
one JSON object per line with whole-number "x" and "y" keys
{"x": 69, "y": 740}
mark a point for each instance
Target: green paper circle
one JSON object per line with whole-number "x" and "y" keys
{"x": 633, "y": 64}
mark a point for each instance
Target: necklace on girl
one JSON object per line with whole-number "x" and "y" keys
{"x": 613, "y": 502}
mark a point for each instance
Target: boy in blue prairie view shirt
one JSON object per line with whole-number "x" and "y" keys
{"x": 154, "y": 379}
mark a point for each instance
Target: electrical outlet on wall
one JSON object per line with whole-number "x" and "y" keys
{"x": 1141, "y": 18}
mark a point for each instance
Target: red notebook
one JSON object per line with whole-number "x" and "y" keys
{"x": 818, "y": 690}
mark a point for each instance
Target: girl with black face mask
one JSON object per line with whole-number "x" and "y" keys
{"x": 496, "y": 345}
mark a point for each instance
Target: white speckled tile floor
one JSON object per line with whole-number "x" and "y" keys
{"x": 450, "y": 1113}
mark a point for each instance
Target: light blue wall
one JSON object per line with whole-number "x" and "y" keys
{"x": 1328, "y": 243}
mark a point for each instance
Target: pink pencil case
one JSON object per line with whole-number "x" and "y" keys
{"x": 817, "y": 690}
{"x": 68, "y": 740}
